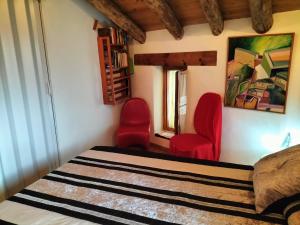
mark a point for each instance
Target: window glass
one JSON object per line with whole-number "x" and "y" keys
{"x": 171, "y": 98}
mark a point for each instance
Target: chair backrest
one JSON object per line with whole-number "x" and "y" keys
{"x": 208, "y": 120}
{"x": 135, "y": 111}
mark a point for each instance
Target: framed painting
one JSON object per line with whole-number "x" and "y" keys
{"x": 257, "y": 72}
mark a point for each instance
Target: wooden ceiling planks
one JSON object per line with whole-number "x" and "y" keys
{"x": 167, "y": 16}
{"x": 138, "y": 16}
{"x": 287, "y": 5}
{"x": 139, "y": 12}
{"x": 233, "y": 9}
{"x": 189, "y": 12}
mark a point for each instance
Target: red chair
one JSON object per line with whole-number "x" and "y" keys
{"x": 206, "y": 143}
{"x": 134, "y": 129}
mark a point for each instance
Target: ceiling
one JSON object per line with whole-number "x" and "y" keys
{"x": 189, "y": 11}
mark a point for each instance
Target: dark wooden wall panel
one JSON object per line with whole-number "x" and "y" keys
{"x": 201, "y": 58}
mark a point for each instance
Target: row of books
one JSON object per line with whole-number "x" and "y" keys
{"x": 122, "y": 94}
{"x": 116, "y": 86}
{"x": 117, "y": 77}
{"x": 116, "y": 36}
{"x": 119, "y": 59}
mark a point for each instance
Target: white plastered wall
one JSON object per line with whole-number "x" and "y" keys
{"x": 83, "y": 121}
{"x": 247, "y": 135}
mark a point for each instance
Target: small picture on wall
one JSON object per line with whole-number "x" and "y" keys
{"x": 258, "y": 72}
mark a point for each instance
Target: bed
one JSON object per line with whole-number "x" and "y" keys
{"x": 108, "y": 185}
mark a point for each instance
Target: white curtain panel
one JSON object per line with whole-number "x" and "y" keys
{"x": 28, "y": 147}
{"x": 182, "y": 100}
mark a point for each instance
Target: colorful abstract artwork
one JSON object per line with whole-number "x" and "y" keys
{"x": 258, "y": 72}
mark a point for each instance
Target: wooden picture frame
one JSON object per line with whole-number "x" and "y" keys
{"x": 257, "y": 72}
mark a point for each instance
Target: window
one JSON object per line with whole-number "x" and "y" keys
{"x": 174, "y": 99}
{"x": 170, "y": 84}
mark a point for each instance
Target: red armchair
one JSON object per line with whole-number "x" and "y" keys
{"x": 206, "y": 143}
{"x": 134, "y": 129}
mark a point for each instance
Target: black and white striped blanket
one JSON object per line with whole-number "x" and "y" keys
{"x": 110, "y": 186}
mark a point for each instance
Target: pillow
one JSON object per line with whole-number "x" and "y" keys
{"x": 294, "y": 219}
{"x": 270, "y": 161}
{"x": 292, "y": 213}
{"x": 276, "y": 176}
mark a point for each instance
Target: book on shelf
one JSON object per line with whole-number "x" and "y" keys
{"x": 115, "y": 76}
{"x": 116, "y": 36}
{"x": 117, "y": 95}
{"x": 119, "y": 59}
{"x": 114, "y": 69}
{"x": 116, "y": 86}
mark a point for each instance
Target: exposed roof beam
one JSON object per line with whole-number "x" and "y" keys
{"x": 113, "y": 12}
{"x": 261, "y": 14}
{"x": 213, "y": 15}
{"x": 167, "y": 16}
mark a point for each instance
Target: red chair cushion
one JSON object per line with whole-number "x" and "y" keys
{"x": 208, "y": 120}
{"x": 133, "y": 135}
{"x": 135, "y": 112}
{"x": 134, "y": 126}
{"x": 192, "y": 146}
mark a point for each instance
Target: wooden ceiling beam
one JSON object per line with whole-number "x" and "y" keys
{"x": 166, "y": 16}
{"x": 261, "y": 14}
{"x": 112, "y": 11}
{"x": 213, "y": 15}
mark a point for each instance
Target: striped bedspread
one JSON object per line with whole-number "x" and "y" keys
{"x": 110, "y": 186}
